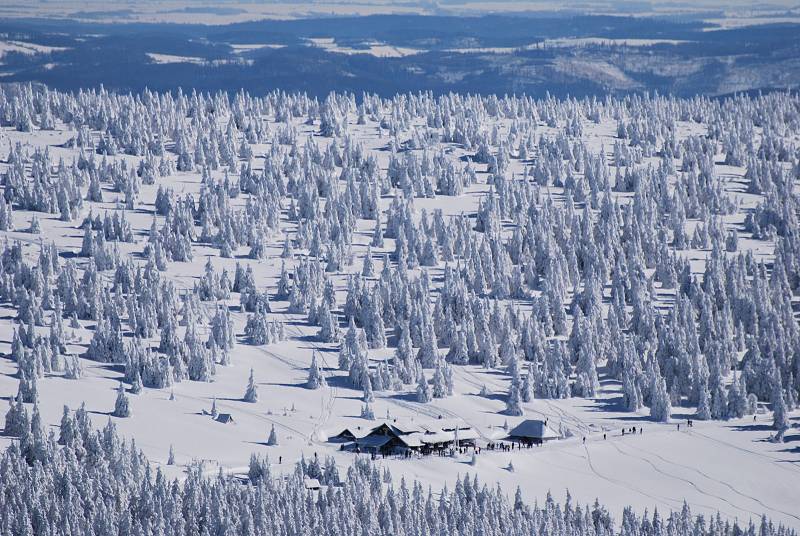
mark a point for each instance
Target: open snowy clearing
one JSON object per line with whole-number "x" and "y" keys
{"x": 373, "y": 48}
{"x": 169, "y": 58}
{"x": 23, "y": 47}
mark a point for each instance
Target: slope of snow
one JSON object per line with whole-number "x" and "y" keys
{"x": 716, "y": 467}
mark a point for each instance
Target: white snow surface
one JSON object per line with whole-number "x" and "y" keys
{"x": 726, "y": 467}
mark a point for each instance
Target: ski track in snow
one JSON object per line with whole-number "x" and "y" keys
{"x": 326, "y": 410}
{"x": 706, "y": 476}
{"x": 689, "y": 482}
{"x": 741, "y": 449}
{"x": 670, "y": 503}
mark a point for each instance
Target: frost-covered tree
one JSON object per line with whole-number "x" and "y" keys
{"x": 780, "y": 419}
{"x": 660, "y": 404}
{"x": 122, "y": 404}
{"x": 251, "y": 393}
{"x": 423, "y": 389}
{"x": 316, "y": 378}
{"x": 272, "y": 440}
{"x": 366, "y": 384}
{"x": 367, "y": 412}
{"x": 514, "y": 398}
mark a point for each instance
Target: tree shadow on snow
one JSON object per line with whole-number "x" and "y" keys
{"x": 685, "y": 416}
{"x": 491, "y": 396}
{"x": 791, "y": 450}
{"x": 259, "y": 443}
{"x": 631, "y": 418}
{"x": 405, "y": 397}
{"x": 791, "y": 438}
{"x": 616, "y": 404}
{"x": 231, "y": 399}
{"x": 301, "y": 385}
{"x": 753, "y": 428}
{"x": 308, "y": 339}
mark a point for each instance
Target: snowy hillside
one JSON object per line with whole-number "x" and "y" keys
{"x": 222, "y": 275}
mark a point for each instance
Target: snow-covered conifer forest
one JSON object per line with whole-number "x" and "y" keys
{"x": 199, "y": 292}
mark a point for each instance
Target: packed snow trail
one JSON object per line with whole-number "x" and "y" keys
{"x": 691, "y": 483}
{"x": 761, "y": 503}
{"x": 332, "y": 390}
{"x": 670, "y": 503}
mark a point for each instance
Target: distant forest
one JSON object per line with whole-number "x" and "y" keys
{"x": 458, "y": 54}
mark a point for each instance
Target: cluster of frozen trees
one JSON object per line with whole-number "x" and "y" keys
{"x": 86, "y": 481}
{"x": 131, "y": 306}
{"x": 576, "y": 259}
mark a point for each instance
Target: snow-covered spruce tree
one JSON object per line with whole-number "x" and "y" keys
{"x": 329, "y": 327}
{"x": 703, "y": 402}
{"x": 367, "y": 412}
{"x": 251, "y": 393}
{"x": 660, "y": 405}
{"x": 367, "y": 269}
{"x": 136, "y": 384}
{"x": 780, "y": 419}
{"x": 366, "y": 384}
{"x": 527, "y": 391}
{"x": 222, "y": 329}
{"x": 122, "y": 404}
{"x": 428, "y": 354}
{"x": 7, "y": 215}
{"x": 272, "y": 440}
{"x": 16, "y": 423}
{"x": 514, "y": 399}
{"x": 73, "y": 369}
{"x": 316, "y": 378}
{"x": 631, "y": 390}
{"x": 586, "y": 381}
{"x": 423, "y": 389}
{"x": 737, "y": 398}
{"x": 259, "y": 329}
{"x": 439, "y": 386}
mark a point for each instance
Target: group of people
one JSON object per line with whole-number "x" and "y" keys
{"x": 689, "y": 423}
{"x": 506, "y": 447}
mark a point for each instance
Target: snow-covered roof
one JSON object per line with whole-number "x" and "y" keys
{"x": 467, "y": 433}
{"x": 356, "y": 432}
{"x": 373, "y": 441}
{"x": 447, "y": 425}
{"x": 437, "y": 437}
{"x": 533, "y": 428}
{"x": 412, "y": 440}
{"x": 405, "y": 427}
{"x": 312, "y": 483}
